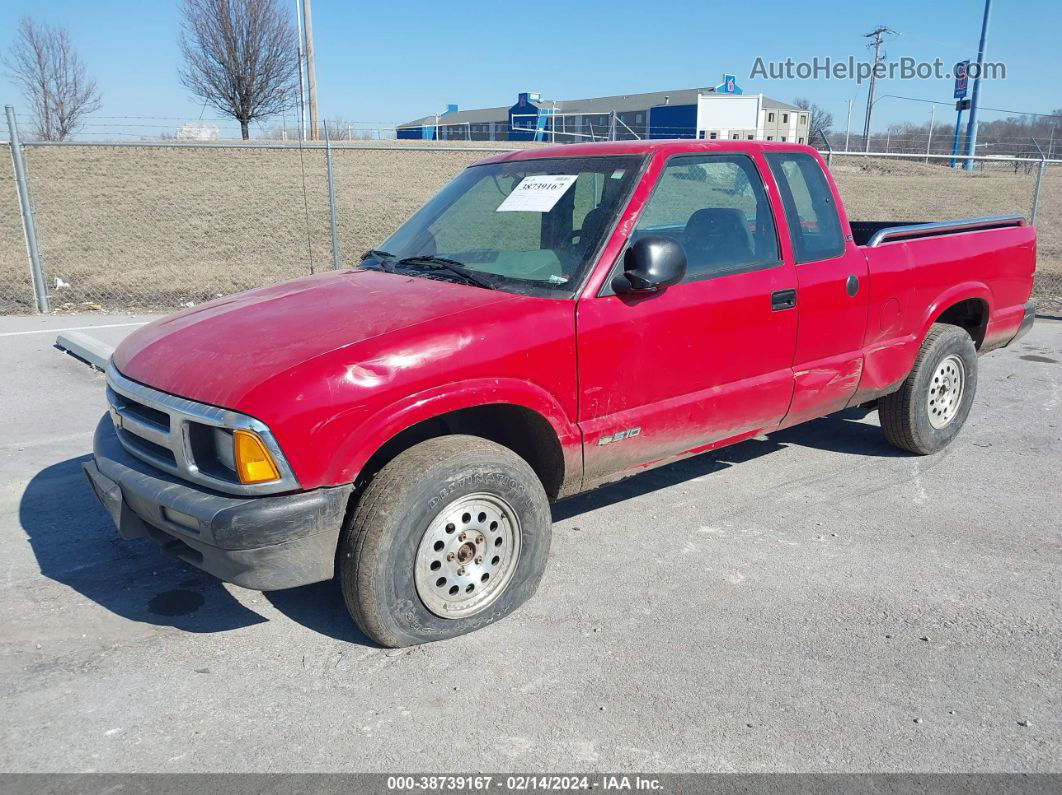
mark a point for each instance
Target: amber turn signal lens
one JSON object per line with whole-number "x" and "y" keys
{"x": 254, "y": 464}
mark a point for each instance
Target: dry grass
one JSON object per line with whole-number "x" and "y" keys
{"x": 160, "y": 227}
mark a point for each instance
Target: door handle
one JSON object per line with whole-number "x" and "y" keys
{"x": 852, "y": 285}
{"x": 783, "y": 299}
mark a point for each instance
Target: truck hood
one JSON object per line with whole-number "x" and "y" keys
{"x": 216, "y": 353}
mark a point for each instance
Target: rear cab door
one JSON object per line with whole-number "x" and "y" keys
{"x": 832, "y": 285}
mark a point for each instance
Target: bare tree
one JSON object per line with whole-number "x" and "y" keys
{"x": 43, "y": 61}
{"x": 240, "y": 57}
{"x": 819, "y": 119}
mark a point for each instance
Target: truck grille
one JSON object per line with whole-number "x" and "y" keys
{"x": 190, "y": 440}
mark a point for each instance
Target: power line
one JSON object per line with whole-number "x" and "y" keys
{"x": 982, "y": 107}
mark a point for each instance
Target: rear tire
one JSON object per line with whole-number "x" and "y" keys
{"x": 931, "y": 406}
{"x": 450, "y": 536}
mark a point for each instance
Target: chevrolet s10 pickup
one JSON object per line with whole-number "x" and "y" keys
{"x": 553, "y": 320}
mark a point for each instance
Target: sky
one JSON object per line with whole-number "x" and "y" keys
{"x": 387, "y": 62}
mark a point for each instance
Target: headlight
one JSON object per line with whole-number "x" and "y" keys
{"x": 253, "y": 462}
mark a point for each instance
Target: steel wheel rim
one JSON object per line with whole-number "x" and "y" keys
{"x": 468, "y": 555}
{"x": 946, "y": 391}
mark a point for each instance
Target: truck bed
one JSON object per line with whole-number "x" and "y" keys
{"x": 874, "y": 233}
{"x": 919, "y": 270}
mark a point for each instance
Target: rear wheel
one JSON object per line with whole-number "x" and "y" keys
{"x": 450, "y": 536}
{"x": 931, "y": 406}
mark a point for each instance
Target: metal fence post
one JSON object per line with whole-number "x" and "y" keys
{"x": 1039, "y": 179}
{"x": 40, "y": 291}
{"x": 336, "y": 265}
{"x": 829, "y": 149}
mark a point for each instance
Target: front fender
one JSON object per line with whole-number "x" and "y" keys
{"x": 362, "y": 437}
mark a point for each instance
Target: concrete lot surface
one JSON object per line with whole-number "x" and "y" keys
{"x": 815, "y": 601}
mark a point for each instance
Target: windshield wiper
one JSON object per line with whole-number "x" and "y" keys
{"x": 383, "y": 258}
{"x": 446, "y": 264}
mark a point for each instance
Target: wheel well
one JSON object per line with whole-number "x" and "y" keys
{"x": 971, "y": 314}
{"x": 525, "y": 432}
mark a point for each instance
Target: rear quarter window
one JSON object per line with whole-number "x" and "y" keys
{"x": 810, "y": 208}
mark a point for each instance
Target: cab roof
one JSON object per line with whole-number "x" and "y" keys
{"x": 655, "y": 147}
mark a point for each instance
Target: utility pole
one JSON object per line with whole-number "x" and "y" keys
{"x": 971, "y": 125}
{"x": 302, "y": 74}
{"x": 876, "y": 35}
{"x": 311, "y": 72}
{"x": 848, "y": 129}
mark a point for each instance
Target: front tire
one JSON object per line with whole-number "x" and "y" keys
{"x": 450, "y": 536}
{"x": 931, "y": 406}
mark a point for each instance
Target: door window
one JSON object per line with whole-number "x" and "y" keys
{"x": 715, "y": 207}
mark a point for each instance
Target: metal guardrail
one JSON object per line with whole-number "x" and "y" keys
{"x": 895, "y": 233}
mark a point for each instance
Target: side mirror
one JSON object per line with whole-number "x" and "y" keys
{"x": 651, "y": 264}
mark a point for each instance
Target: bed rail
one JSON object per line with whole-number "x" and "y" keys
{"x": 933, "y": 228}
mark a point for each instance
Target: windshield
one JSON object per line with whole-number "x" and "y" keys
{"x": 530, "y": 226}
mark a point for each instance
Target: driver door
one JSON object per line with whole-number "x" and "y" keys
{"x": 705, "y": 360}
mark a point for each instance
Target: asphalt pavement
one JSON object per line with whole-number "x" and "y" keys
{"x": 811, "y": 601}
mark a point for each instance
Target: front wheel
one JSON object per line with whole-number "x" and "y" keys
{"x": 450, "y": 536}
{"x": 929, "y": 409}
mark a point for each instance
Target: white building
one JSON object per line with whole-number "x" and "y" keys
{"x": 197, "y": 131}
{"x": 718, "y": 112}
{"x": 751, "y": 117}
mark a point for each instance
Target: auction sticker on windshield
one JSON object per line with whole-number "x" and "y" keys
{"x": 537, "y": 194}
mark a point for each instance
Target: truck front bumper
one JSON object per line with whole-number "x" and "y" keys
{"x": 264, "y": 543}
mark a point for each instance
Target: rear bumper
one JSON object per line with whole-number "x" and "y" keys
{"x": 1027, "y": 321}
{"x": 265, "y": 543}
{"x": 1008, "y": 326}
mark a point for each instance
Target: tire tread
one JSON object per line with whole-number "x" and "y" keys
{"x": 382, "y": 495}
{"x": 897, "y": 409}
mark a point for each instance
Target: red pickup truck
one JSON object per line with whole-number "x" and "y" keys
{"x": 554, "y": 319}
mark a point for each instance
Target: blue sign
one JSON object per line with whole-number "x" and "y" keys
{"x": 728, "y": 86}
{"x": 962, "y": 78}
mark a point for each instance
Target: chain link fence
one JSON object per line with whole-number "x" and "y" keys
{"x": 162, "y": 227}
{"x": 158, "y": 227}
{"x": 910, "y": 189}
